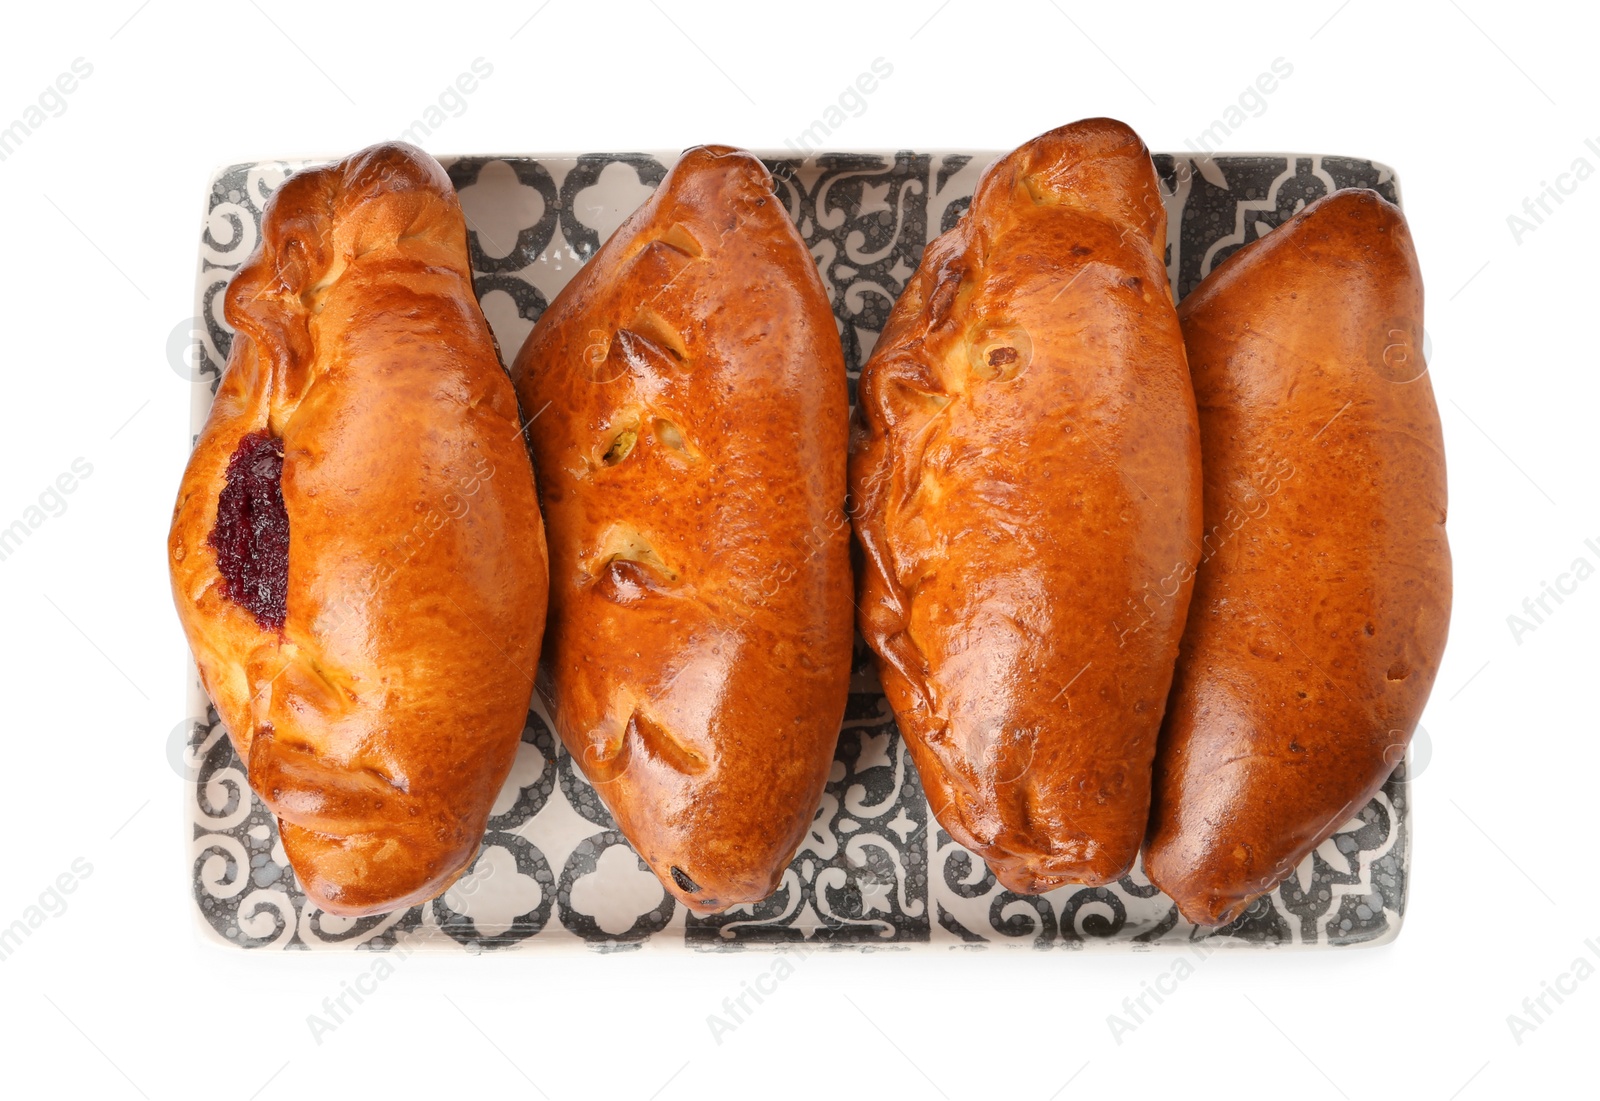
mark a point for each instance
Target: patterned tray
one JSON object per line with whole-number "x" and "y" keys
{"x": 875, "y": 871}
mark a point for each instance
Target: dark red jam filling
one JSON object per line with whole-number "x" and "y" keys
{"x": 251, "y": 536}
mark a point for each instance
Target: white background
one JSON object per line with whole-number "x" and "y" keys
{"x": 1474, "y": 105}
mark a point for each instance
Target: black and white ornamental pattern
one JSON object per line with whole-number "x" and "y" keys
{"x": 875, "y": 869}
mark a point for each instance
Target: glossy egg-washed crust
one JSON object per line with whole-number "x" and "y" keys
{"x": 1323, "y": 597}
{"x": 691, "y": 406}
{"x": 381, "y": 721}
{"x": 1025, "y": 475}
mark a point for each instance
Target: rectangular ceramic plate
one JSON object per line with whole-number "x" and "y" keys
{"x": 876, "y": 870}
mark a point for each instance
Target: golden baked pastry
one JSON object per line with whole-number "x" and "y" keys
{"x": 1026, "y": 477}
{"x": 1323, "y": 597}
{"x": 690, "y": 445}
{"x": 356, "y": 551}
